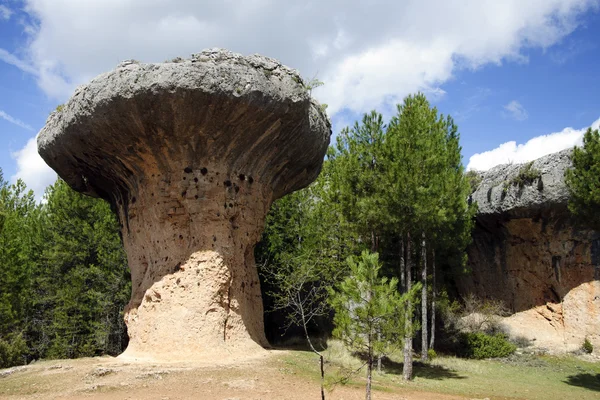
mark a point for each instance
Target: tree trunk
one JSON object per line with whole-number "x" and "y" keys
{"x": 402, "y": 267}
{"x": 407, "y": 368}
{"x": 369, "y": 373}
{"x": 374, "y": 248}
{"x": 424, "y": 355}
{"x": 322, "y": 377}
{"x": 314, "y": 351}
{"x": 433, "y": 298}
{"x": 379, "y": 355}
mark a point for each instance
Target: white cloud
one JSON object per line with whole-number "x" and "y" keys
{"x": 15, "y": 121}
{"x": 32, "y": 169}
{"x": 367, "y": 54}
{"x": 534, "y": 148}
{"x": 17, "y": 62}
{"x": 516, "y": 111}
{"x": 5, "y": 12}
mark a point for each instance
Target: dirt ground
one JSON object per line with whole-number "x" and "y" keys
{"x": 264, "y": 377}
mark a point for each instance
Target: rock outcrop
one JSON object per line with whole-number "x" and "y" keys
{"x": 529, "y": 252}
{"x": 191, "y": 154}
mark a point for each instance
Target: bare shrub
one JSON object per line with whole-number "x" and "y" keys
{"x": 481, "y": 315}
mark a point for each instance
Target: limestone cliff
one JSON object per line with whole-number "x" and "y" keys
{"x": 528, "y": 252}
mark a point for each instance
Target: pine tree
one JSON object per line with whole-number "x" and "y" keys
{"x": 19, "y": 215}
{"x": 83, "y": 282}
{"x": 425, "y": 196}
{"x": 359, "y": 157}
{"x": 368, "y": 311}
{"x": 583, "y": 180}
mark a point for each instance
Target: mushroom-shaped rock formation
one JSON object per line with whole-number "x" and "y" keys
{"x": 191, "y": 154}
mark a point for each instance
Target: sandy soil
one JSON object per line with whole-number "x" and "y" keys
{"x": 264, "y": 377}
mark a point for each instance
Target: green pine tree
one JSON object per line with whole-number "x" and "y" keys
{"x": 83, "y": 282}
{"x": 426, "y": 194}
{"x": 583, "y": 180}
{"x": 368, "y": 311}
{"x": 359, "y": 158}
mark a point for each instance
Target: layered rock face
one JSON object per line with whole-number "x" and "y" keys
{"x": 528, "y": 252}
{"x": 191, "y": 154}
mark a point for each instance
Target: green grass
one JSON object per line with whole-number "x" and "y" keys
{"x": 517, "y": 377}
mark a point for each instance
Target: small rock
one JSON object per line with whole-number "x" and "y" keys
{"x": 98, "y": 372}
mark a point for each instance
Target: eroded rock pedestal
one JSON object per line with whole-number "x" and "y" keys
{"x": 191, "y": 155}
{"x": 190, "y": 243}
{"x": 528, "y": 252}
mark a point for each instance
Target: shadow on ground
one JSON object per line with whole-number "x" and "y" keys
{"x": 299, "y": 345}
{"x": 587, "y": 381}
{"x": 422, "y": 370}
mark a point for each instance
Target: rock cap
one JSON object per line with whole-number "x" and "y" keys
{"x": 499, "y": 192}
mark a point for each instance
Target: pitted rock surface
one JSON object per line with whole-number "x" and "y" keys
{"x": 529, "y": 252}
{"x": 191, "y": 154}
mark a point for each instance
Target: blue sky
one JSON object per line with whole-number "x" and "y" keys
{"x": 519, "y": 71}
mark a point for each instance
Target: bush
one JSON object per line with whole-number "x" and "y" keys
{"x": 12, "y": 351}
{"x": 431, "y": 354}
{"x": 587, "y": 346}
{"x": 480, "y": 345}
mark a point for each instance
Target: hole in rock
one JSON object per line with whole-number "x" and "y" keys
{"x": 183, "y": 193}
{"x": 214, "y": 238}
{"x": 242, "y": 177}
{"x": 187, "y": 170}
{"x": 180, "y": 237}
{"x": 196, "y": 180}
{"x": 231, "y": 205}
{"x": 178, "y": 267}
{"x": 133, "y": 200}
{"x": 203, "y": 171}
{"x": 250, "y": 179}
{"x": 227, "y": 183}
{"x": 196, "y": 197}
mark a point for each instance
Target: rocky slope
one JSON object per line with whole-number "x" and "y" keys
{"x": 528, "y": 252}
